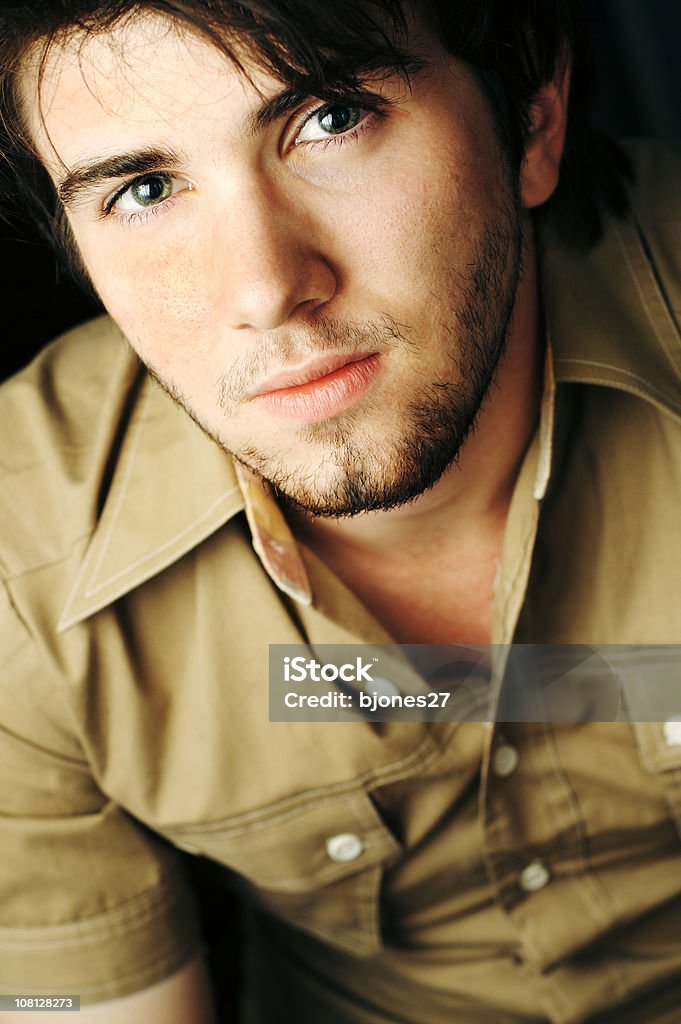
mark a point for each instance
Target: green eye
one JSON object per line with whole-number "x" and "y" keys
{"x": 151, "y": 190}
{"x": 332, "y": 119}
{"x": 147, "y": 192}
{"x": 339, "y": 119}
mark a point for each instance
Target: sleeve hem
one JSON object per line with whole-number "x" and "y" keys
{"x": 107, "y": 956}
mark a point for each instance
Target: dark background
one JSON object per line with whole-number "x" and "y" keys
{"x": 636, "y": 45}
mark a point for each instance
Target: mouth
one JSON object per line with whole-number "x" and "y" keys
{"x": 320, "y": 389}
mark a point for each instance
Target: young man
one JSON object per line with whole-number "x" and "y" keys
{"x": 435, "y": 382}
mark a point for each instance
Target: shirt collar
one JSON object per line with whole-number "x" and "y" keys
{"x": 171, "y": 488}
{"x": 273, "y": 541}
{"x": 612, "y": 313}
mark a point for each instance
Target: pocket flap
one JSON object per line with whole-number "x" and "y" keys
{"x": 296, "y": 846}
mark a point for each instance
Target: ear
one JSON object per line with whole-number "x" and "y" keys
{"x": 545, "y": 140}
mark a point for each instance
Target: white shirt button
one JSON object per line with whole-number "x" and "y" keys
{"x": 534, "y": 876}
{"x": 672, "y": 732}
{"x": 382, "y": 687}
{"x": 505, "y": 760}
{"x": 344, "y": 847}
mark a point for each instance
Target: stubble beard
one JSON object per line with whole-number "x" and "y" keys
{"x": 361, "y": 475}
{"x": 366, "y": 475}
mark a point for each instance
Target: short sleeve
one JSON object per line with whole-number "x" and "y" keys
{"x": 91, "y": 902}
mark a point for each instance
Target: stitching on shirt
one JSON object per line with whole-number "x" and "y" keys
{"x": 134, "y": 444}
{"x": 648, "y": 392}
{"x": 128, "y": 471}
{"x": 91, "y": 591}
{"x": 291, "y": 806}
{"x": 653, "y": 280}
{"x": 366, "y": 903}
{"x": 619, "y": 370}
{"x": 253, "y": 820}
{"x": 49, "y": 563}
{"x": 600, "y": 893}
{"x": 136, "y": 911}
{"x": 568, "y": 360}
{"x": 86, "y": 561}
{"x": 332, "y": 872}
{"x": 365, "y": 917}
{"x": 619, "y": 986}
{"x": 535, "y": 936}
{"x": 303, "y": 884}
{"x": 169, "y": 964}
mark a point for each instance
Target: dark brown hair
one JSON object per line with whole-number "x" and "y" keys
{"x": 318, "y": 48}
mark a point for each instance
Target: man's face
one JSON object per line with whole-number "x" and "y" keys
{"x": 326, "y": 290}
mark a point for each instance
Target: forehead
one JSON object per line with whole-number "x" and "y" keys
{"x": 143, "y": 74}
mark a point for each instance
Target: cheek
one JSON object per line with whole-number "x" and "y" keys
{"x": 158, "y": 300}
{"x": 420, "y": 226}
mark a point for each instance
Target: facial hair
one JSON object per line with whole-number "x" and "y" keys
{"x": 372, "y": 477}
{"x": 436, "y": 421}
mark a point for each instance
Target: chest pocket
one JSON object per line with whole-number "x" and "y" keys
{"x": 651, "y": 690}
{"x": 316, "y": 863}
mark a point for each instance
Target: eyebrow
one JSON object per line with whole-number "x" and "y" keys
{"x": 272, "y": 109}
{"x": 81, "y": 178}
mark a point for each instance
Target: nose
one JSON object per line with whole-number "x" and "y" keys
{"x": 272, "y": 270}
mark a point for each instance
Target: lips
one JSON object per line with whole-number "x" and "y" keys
{"x": 312, "y": 371}
{"x": 321, "y": 389}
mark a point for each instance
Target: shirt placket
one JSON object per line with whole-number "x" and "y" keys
{"x": 534, "y": 836}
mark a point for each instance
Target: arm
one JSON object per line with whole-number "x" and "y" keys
{"x": 90, "y": 902}
{"x": 184, "y": 998}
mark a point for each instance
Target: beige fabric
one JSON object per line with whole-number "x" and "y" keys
{"x": 135, "y": 621}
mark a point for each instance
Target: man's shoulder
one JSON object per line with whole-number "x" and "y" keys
{"x": 63, "y": 389}
{"x": 61, "y": 417}
{"x": 614, "y": 312}
{"x": 656, "y": 212}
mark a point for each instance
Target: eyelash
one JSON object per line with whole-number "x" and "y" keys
{"x": 373, "y": 112}
{"x": 373, "y": 109}
{"x": 144, "y": 213}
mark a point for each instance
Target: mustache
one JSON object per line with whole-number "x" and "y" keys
{"x": 275, "y": 352}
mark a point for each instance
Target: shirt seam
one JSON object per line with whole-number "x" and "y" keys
{"x": 10, "y": 576}
{"x": 421, "y": 757}
{"x": 169, "y": 964}
{"x": 138, "y": 910}
{"x": 48, "y": 663}
{"x": 93, "y": 591}
{"x": 654, "y": 281}
{"x": 650, "y": 393}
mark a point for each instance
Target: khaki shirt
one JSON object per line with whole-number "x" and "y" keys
{"x": 135, "y": 619}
